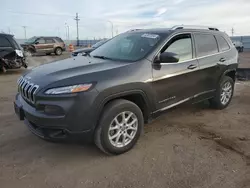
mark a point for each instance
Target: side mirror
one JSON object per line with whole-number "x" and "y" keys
{"x": 36, "y": 42}
{"x": 168, "y": 57}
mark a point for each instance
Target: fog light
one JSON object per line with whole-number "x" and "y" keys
{"x": 53, "y": 110}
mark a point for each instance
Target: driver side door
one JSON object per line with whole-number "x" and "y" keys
{"x": 175, "y": 83}
{"x": 40, "y": 45}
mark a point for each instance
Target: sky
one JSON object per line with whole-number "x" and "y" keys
{"x": 49, "y": 18}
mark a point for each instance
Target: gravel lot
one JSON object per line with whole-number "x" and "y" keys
{"x": 189, "y": 146}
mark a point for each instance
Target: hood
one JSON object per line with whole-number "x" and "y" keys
{"x": 83, "y": 50}
{"x": 69, "y": 68}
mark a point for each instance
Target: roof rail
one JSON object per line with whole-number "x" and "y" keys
{"x": 131, "y": 30}
{"x": 194, "y": 27}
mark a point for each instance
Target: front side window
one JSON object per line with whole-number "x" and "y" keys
{"x": 41, "y": 41}
{"x": 223, "y": 45}
{"x": 4, "y": 42}
{"x": 181, "y": 45}
{"x": 128, "y": 46}
{"x": 205, "y": 45}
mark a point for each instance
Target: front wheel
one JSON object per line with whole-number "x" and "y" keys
{"x": 223, "y": 94}
{"x": 119, "y": 128}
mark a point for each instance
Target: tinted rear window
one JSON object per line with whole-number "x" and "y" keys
{"x": 205, "y": 44}
{"x": 59, "y": 39}
{"x": 4, "y": 42}
{"x": 49, "y": 41}
{"x": 223, "y": 45}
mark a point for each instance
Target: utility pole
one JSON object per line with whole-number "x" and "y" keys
{"x": 77, "y": 28}
{"x": 232, "y": 31}
{"x": 112, "y": 27}
{"x": 24, "y": 27}
{"x": 9, "y": 30}
{"x": 67, "y": 27}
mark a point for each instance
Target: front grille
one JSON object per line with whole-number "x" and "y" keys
{"x": 27, "y": 89}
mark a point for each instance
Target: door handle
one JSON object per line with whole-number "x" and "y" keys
{"x": 192, "y": 67}
{"x": 222, "y": 60}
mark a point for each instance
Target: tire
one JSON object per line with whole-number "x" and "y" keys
{"x": 219, "y": 102}
{"x": 58, "y": 51}
{"x": 103, "y": 134}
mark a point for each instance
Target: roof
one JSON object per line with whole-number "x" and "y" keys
{"x": 176, "y": 29}
{"x": 6, "y": 34}
{"x": 47, "y": 36}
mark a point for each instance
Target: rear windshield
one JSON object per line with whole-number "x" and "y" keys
{"x": 59, "y": 39}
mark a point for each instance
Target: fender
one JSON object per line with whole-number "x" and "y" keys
{"x": 227, "y": 71}
{"x": 103, "y": 101}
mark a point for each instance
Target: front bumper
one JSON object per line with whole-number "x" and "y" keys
{"x": 71, "y": 125}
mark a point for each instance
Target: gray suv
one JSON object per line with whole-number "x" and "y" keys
{"x": 109, "y": 95}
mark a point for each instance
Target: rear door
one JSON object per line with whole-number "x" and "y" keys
{"x": 176, "y": 82}
{"x": 6, "y": 49}
{"x": 208, "y": 56}
{"x": 49, "y": 45}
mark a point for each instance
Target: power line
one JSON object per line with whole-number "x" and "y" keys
{"x": 40, "y": 14}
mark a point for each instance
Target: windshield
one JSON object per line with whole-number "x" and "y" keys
{"x": 128, "y": 46}
{"x": 31, "y": 40}
{"x": 96, "y": 45}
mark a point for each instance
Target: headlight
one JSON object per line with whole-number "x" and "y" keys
{"x": 80, "y": 54}
{"x": 19, "y": 53}
{"x": 68, "y": 89}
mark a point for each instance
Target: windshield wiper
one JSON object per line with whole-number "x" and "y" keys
{"x": 101, "y": 57}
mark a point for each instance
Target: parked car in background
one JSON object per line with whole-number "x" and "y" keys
{"x": 83, "y": 51}
{"x": 45, "y": 45}
{"x": 126, "y": 82}
{"x": 239, "y": 46}
{"x": 11, "y": 53}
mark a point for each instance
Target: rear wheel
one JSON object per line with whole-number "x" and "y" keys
{"x": 58, "y": 51}
{"x": 119, "y": 128}
{"x": 224, "y": 93}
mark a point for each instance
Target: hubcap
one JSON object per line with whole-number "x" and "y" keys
{"x": 226, "y": 93}
{"x": 123, "y": 129}
{"x": 58, "y": 51}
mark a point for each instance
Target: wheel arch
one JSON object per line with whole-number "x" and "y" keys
{"x": 136, "y": 96}
{"x": 230, "y": 73}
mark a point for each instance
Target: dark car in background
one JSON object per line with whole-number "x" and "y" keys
{"x": 11, "y": 53}
{"x": 239, "y": 46}
{"x": 83, "y": 51}
{"x": 45, "y": 45}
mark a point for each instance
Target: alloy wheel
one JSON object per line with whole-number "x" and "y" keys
{"x": 226, "y": 93}
{"x": 123, "y": 129}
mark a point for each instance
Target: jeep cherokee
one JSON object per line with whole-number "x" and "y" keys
{"x": 107, "y": 96}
